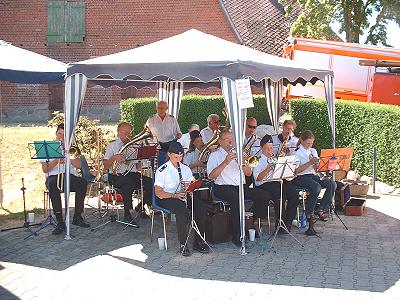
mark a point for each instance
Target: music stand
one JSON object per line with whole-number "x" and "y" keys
{"x": 192, "y": 187}
{"x": 46, "y": 150}
{"x": 338, "y": 159}
{"x": 284, "y": 169}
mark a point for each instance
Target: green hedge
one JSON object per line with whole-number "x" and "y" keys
{"x": 360, "y": 126}
{"x": 194, "y": 109}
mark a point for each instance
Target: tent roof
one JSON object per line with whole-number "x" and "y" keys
{"x": 195, "y": 56}
{"x": 23, "y": 66}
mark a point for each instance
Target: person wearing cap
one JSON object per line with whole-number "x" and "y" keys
{"x": 307, "y": 178}
{"x": 287, "y": 138}
{"x": 191, "y": 158}
{"x": 164, "y": 128}
{"x": 171, "y": 195}
{"x": 185, "y": 139}
{"x": 223, "y": 168}
{"x": 262, "y": 175}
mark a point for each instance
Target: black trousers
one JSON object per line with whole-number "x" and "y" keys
{"x": 230, "y": 193}
{"x": 127, "y": 184}
{"x": 77, "y": 185}
{"x": 179, "y": 208}
{"x": 290, "y": 195}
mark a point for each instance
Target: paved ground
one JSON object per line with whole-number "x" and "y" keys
{"x": 363, "y": 261}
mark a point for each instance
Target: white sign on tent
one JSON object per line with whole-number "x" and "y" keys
{"x": 243, "y": 92}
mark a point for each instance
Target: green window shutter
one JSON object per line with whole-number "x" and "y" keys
{"x": 75, "y": 22}
{"x": 55, "y": 22}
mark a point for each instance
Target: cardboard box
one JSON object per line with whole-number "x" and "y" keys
{"x": 357, "y": 187}
{"x": 354, "y": 207}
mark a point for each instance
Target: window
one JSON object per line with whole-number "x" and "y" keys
{"x": 65, "y": 22}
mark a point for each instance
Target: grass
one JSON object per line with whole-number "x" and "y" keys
{"x": 16, "y": 163}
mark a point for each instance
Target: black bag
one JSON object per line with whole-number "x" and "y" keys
{"x": 217, "y": 228}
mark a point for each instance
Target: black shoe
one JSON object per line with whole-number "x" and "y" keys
{"x": 184, "y": 250}
{"x": 201, "y": 247}
{"x": 79, "y": 221}
{"x": 60, "y": 228}
{"x": 311, "y": 232}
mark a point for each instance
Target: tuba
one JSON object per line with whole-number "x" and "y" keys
{"x": 129, "y": 150}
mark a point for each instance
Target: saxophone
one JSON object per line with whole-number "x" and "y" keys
{"x": 282, "y": 149}
{"x": 248, "y": 159}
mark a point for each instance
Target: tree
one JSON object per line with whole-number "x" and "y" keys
{"x": 356, "y": 18}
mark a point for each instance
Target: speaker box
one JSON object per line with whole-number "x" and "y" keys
{"x": 217, "y": 229}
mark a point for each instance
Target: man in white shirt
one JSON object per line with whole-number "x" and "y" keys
{"x": 131, "y": 181}
{"x": 165, "y": 129}
{"x": 213, "y": 122}
{"x": 286, "y": 137}
{"x": 185, "y": 139}
{"x": 222, "y": 167}
{"x": 52, "y": 168}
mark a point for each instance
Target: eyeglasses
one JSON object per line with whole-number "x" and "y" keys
{"x": 251, "y": 126}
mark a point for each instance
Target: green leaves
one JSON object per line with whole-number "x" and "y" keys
{"x": 359, "y": 125}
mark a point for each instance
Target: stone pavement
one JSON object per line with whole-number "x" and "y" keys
{"x": 363, "y": 261}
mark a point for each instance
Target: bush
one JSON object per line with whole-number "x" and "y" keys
{"x": 360, "y": 126}
{"x": 194, "y": 109}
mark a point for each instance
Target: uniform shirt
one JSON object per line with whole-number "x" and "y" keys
{"x": 256, "y": 146}
{"x": 57, "y": 168}
{"x": 163, "y": 130}
{"x": 230, "y": 175}
{"x": 291, "y": 145}
{"x": 167, "y": 177}
{"x": 303, "y": 156}
{"x": 262, "y": 165}
{"x": 112, "y": 149}
{"x": 185, "y": 141}
{"x": 191, "y": 158}
{"x": 206, "y": 134}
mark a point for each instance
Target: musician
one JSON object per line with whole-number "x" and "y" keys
{"x": 249, "y": 136}
{"x": 250, "y": 131}
{"x": 213, "y": 122}
{"x": 185, "y": 139}
{"x": 52, "y": 168}
{"x": 222, "y": 167}
{"x": 131, "y": 181}
{"x": 307, "y": 178}
{"x": 262, "y": 175}
{"x": 286, "y": 137}
{"x": 169, "y": 193}
{"x": 191, "y": 158}
{"x": 165, "y": 129}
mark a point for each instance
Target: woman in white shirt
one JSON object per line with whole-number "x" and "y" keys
{"x": 262, "y": 175}
{"x": 191, "y": 158}
{"x": 307, "y": 178}
{"x": 170, "y": 195}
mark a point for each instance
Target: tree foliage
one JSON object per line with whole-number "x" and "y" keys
{"x": 356, "y": 18}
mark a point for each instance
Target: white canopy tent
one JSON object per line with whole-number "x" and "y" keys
{"x": 190, "y": 59}
{"x": 22, "y": 66}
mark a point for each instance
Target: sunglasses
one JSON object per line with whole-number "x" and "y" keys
{"x": 251, "y": 127}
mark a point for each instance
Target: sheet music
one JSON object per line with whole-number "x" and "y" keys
{"x": 284, "y": 168}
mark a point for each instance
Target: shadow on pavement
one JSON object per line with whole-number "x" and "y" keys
{"x": 362, "y": 258}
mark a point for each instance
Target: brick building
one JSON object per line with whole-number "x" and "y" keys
{"x": 75, "y": 30}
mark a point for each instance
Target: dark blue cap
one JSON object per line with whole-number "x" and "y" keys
{"x": 175, "y": 147}
{"x": 266, "y": 139}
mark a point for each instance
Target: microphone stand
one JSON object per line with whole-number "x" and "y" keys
{"x": 26, "y": 223}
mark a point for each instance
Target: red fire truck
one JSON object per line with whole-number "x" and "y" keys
{"x": 377, "y": 80}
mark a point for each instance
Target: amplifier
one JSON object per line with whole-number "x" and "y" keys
{"x": 217, "y": 229}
